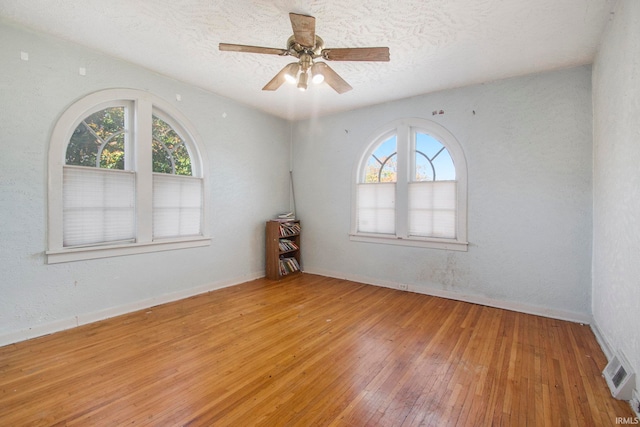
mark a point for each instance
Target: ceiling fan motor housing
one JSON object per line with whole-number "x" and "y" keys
{"x": 295, "y": 49}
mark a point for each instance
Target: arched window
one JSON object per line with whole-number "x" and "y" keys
{"x": 125, "y": 176}
{"x": 411, "y": 188}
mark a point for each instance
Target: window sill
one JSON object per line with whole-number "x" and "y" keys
{"x": 103, "y": 251}
{"x": 433, "y": 243}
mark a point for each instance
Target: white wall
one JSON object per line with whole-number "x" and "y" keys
{"x": 249, "y": 183}
{"x": 616, "y": 213}
{"x": 529, "y": 154}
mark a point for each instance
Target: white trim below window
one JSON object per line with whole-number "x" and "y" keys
{"x": 96, "y": 252}
{"x": 388, "y": 239}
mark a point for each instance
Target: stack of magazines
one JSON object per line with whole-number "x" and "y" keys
{"x": 286, "y": 217}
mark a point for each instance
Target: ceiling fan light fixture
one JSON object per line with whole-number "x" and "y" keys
{"x": 291, "y": 75}
{"x": 317, "y": 74}
{"x": 303, "y": 81}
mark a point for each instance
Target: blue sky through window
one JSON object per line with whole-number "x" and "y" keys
{"x": 442, "y": 163}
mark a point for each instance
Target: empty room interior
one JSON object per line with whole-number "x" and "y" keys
{"x": 320, "y": 213}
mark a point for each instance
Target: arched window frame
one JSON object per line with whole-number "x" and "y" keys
{"x": 405, "y": 131}
{"x": 138, "y": 124}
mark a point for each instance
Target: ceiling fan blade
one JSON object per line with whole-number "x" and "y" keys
{"x": 226, "y": 47}
{"x": 357, "y": 54}
{"x": 333, "y": 79}
{"x": 304, "y": 29}
{"x": 278, "y": 79}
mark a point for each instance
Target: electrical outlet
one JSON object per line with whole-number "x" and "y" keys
{"x": 403, "y": 286}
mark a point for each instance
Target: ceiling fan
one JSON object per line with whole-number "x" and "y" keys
{"x": 306, "y": 46}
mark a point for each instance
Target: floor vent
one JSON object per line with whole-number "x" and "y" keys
{"x": 620, "y": 378}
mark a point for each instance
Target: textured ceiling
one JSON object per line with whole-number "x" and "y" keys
{"x": 434, "y": 44}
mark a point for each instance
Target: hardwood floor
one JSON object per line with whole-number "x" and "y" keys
{"x": 310, "y": 351}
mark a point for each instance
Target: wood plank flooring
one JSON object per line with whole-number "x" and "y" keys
{"x": 310, "y": 351}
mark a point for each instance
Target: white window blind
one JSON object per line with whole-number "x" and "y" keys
{"x": 177, "y": 206}
{"x": 376, "y": 208}
{"x": 432, "y": 209}
{"x": 98, "y": 206}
